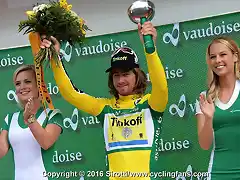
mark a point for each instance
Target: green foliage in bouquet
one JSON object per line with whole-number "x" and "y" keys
{"x": 54, "y": 19}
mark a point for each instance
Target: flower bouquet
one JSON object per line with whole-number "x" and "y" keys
{"x": 53, "y": 19}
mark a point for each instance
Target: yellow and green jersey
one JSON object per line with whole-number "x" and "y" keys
{"x": 131, "y": 123}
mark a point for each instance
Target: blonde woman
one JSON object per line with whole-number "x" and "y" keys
{"x": 218, "y": 113}
{"x": 30, "y": 133}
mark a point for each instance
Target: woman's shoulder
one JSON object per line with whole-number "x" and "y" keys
{"x": 53, "y": 112}
{"x": 9, "y": 116}
{"x": 48, "y": 113}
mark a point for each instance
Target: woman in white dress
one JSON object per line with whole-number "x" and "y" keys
{"x": 31, "y": 132}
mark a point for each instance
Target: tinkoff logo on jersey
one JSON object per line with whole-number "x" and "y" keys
{"x": 127, "y": 131}
{"x": 126, "y": 121}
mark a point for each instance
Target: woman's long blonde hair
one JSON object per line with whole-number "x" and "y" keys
{"x": 22, "y": 68}
{"x": 213, "y": 79}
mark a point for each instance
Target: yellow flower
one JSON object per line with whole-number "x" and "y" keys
{"x": 63, "y": 2}
{"x": 30, "y": 13}
{"x": 81, "y": 26}
{"x": 69, "y": 7}
{"x": 65, "y": 5}
{"x": 83, "y": 32}
{"x": 81, "y": 20}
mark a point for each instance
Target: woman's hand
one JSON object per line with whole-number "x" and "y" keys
{"x": 207, "y": 106}
{"x": 30, "y": 109}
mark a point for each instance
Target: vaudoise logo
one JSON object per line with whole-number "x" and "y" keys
{"x": 172, "y": 37}
{"x": 183, "y": 107}
{"x": 98, "y": 47}
{"x": 199, "y": 31}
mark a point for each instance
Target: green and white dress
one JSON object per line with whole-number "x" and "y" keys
{"x": 225, "y": 157}
{"x": 30, "y": 160}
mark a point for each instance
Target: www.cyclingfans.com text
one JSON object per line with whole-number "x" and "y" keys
{"x": 69, "y": 174}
